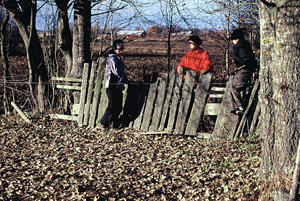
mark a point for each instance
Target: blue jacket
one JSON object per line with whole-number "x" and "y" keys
{"x": 115, "y": 72}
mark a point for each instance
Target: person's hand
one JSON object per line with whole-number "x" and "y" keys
{"x": 180, "y": 70}
{"x": 202, "y": 71}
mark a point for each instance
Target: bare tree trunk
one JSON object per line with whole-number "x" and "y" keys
{"x": 4, "y": 59}
{"x": 24, "y": 14}
{"x": 81, "y": 39}
{"x": 279, "y": 93}
{"x": 64, "y": 34}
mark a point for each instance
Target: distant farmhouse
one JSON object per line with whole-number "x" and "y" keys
{"x": 182, "y": 33}
{"x": 131, "y": 34}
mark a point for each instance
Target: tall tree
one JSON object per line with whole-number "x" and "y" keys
{"x": 81, "y": 36}
{"x": 24, "y": 14}
{"x": 4, "y": 56}
{"x": 280, "y": 91}
{"x": 76, "y": 47}
{"x": 64, "y": 33}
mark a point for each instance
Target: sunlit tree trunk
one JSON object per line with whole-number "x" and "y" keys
{"x": 81, "y": 39}
{"x": 279, "y": 95}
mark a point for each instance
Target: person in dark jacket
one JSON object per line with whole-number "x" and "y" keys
{"x": 115, "y": 79}
{"x": 245, "y": 65}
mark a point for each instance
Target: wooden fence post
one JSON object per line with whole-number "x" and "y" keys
{"x": 174, "y": 104}
{"x": 97, "y": 93}
{"x": 158, "y": 106}
{"x": 149, "y": 106}
{"x": 185, "y": 101}
{"x": 166, "y": 105}
{"x": 83, "y": 93}
{"x": 201, "y": 94}
{"x": 138, "y": 121}
{"x": 103, "y": 102}
{"x": 89, "y": 95}
{"x": 20, "y": 113}
{"x": 226, "y": 122}
{"x": 242, "y": 123}
{"x": 255, "y": 118}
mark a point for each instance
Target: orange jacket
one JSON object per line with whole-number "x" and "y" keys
{"x": 196, "y": 60}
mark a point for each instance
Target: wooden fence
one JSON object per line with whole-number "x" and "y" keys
{"x": 166, "y": 103}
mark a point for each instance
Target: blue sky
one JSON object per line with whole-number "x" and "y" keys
{"x": 192, "y": 15}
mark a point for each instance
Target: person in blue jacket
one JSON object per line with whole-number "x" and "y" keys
{"x": 115, "y": 80}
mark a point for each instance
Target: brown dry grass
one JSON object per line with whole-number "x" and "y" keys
{"x": 150, "y": 54}
{"x": 144, "y": 56}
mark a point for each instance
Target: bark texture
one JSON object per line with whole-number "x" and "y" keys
{"x": 4, "y": 59}
{"x": 24, "y": 14}
{"x": 279, "y": 94}
{"x": 81, "y": 39}
{"x": 64, "y": 33}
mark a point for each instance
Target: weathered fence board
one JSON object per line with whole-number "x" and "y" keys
{"x": 149, "y": 106}
{"x": 97, "y": 93}
{"x": 64, "y": 117}
{"x": 174, "y": 102}
{"x": 201, "y": 94}
{"x": 78, "y": 88}
{"x": 226, "y": 122}
{"x": 66, "y": 79}
{"x": 219, "y": 89}
{"x": 255, "y": 118}
{"x": 158, "y": 106}
{"x": 103, "y": 102}
{"x": 89, "y": 95}
{"x": 138, "y": 121}
{"x": 27, "y": 120}
{"x": 83, "y": 93}
{"x": 166, "y": 106}
{"x": 242, "y": 123}
{"x": 216, "y": 95}
{"x": 185, "y": 100}
{"x": 212, "y": 109}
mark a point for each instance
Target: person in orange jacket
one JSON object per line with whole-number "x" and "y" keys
{"x": 196, "y": 59}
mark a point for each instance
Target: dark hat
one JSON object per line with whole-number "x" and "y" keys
{"x": 116, "y": 43}
{"x": 195, "y": 39}
{"x": 237, "y": 34}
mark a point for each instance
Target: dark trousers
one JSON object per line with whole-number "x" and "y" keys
{"x": 239, "y": 84}
{"x": 114, "y": 107}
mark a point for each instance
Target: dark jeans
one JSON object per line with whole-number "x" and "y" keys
{"x": 114, "y": 107}
{"x": 239, "y": 84}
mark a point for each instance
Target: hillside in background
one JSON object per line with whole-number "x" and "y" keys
{"x": 144, "y": 56}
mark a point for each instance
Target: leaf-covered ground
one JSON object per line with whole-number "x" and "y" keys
{"x": 55, "y": 160}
